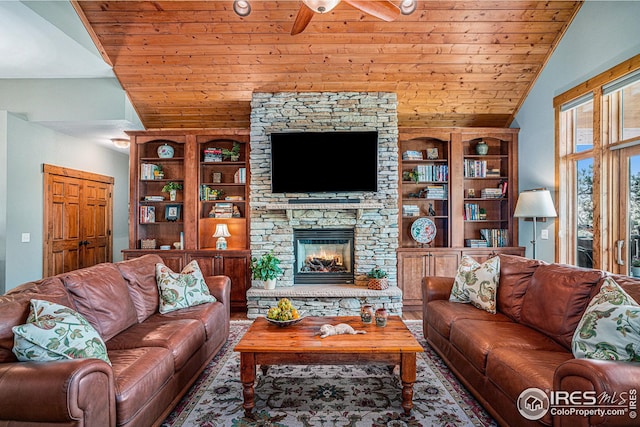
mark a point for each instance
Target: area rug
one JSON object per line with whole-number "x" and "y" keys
{"x": 310, "y": 396}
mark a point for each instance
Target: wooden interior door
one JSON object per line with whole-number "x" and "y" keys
{"x": 78, "y": 218}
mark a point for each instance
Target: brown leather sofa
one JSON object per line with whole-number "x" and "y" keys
{"x": 527, "y": 343}
{"x": 155, "y": 357}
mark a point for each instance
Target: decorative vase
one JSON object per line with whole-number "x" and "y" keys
{"x": 381, "y": 317}
{"x": 366, "y": 313}
{"x": 270, "y": 284}
{"x": 482, "y": 148}
{"x": 165, "y": 151}
{"x": 635, "y": 271}
{"x": 172, "y": 195}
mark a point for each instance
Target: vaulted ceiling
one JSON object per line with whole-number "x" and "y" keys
{"x": 451, "y": 63}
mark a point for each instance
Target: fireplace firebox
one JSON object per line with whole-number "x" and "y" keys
{"x": 323, "y": 256}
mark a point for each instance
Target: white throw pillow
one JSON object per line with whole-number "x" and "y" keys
{"x": 477, "y": 283}
{"x": 610, "y": 326}
{"x": 181, "y": 290}
{"x": 56, "y": 332}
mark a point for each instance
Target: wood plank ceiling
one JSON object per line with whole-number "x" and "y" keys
{"x": 195, "y": 64}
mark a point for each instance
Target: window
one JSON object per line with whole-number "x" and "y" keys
{"x": 598, "y": 162}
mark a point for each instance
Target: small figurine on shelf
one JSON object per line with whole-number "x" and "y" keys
{"x": 432, "y": 211}
{"x": 236, "y": 212}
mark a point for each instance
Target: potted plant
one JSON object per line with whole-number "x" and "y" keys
{"x": 266, "y": 268}
{"x": 377, "y": 279}
{"x": 411, "y": 175}
{"x": 172, "y": 188}
{"x": 233, "y": 154}
{"x": 635, "y": 267}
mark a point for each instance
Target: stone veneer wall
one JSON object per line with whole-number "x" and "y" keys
{"x": 376, "y": 230}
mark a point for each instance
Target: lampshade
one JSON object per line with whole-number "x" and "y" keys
{"x": 535, "y": 204}
{"x": 221, "y": 231}
{"x": 120, "y": 142}
{"x": 321, "y": 6}
{"x": 242, "y": 7}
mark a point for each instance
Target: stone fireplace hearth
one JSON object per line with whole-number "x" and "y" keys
{"x": 373, "y": 217}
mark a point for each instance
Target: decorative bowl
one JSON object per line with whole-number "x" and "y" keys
{"x": 283, "y": 323}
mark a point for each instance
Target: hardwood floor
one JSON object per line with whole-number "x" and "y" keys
{"x": 407, "y": 315}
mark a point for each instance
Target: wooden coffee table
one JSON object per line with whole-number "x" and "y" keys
{"x": 266, "y": 344}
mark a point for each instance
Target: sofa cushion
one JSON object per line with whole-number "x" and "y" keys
{"x": 181, "y": 290}
{"x": 556, "y": 298}
{"x": 610, "y": 326}
{"x": 182, "y": 337}
{"x": 212, "y": 316}
{"x": 56, "y": 332}
{"x": 477, "y": 283}
{"x": 476, "y": 339}
{"x": 140, "y": 275}
{"x": 515, "y": 275}
{"x": 139, "y": 373}
{"x": 16, "y": 305}
{"x": 515, "y": 370}
{"x": 442, "y": 314}
{"x": 100, "y": 294}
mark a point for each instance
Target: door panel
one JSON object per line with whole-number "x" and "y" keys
{"x": 77, "y": 220}
{"x": 628, "y": 238}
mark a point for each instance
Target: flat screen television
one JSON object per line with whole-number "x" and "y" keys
{"x": 324, "y": 162}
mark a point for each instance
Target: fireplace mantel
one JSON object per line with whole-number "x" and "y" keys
{"x": 290, "y": 207}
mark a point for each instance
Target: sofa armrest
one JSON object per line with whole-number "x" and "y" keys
{"x": 612, "y": 383}
{"x": 435, "y": 288}
{"x": 220, "y": 287}
{"x": 68, "y": 392}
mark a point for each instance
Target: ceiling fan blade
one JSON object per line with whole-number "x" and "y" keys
{"x": 302, "y": 19}
{"x": 382, "y": 9}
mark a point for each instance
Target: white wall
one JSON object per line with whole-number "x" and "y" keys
{"x": 603, "y": 34}
{"x": 29, "y": 146}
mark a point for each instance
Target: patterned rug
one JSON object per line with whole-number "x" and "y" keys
{"x": 323, "y": 396}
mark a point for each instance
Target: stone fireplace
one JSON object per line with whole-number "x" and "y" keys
{"x": 371, "y": 216}
{"x": 323, "y": 256}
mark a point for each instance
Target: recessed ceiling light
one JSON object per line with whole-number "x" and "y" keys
{"x": 242, "y": 7}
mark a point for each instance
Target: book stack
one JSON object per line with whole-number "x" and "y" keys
{"x": 475, "y": 243}
{"x": 438, "y": 192}
{"x": 471, "y": 211}
{"x": 147, "y": 171}
{"x": 495, "y": 237}
{"x": 491, "y": 193}
{"x": 213, "y": 154}
{"x": 147, "y": 214}
{"x": 412, "y": 155}
{"x": 493, "y": 173}
{"x": 475, "y": 168}
{"x": 437, "y": 173}
{"x": 223, "y": 210}
{"x": 410, "y": 210}
{"x": 240, "y": 177}
{"x": 153, "y": 198}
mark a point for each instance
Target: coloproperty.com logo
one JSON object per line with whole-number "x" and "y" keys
{"x": 534, "y": 403}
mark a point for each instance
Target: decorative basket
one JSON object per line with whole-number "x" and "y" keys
{"x": 361, "y": 280}
{"x": 378, "y": 284}
{"x": 148, "y": 243}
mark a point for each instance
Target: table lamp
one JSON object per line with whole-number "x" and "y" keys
{"x": 535, "y": 204}
{"x": 221, "y": 232}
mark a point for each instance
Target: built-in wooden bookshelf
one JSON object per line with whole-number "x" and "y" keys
{"x": 472, "y": 202}
{"x": 198, "y": 211}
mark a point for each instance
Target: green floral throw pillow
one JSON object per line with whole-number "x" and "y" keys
{"x": 477, "y": 283}
{"x": 56, "y": 332}
{"x": 610, "y": 326}
{"x": 181, "y": 290}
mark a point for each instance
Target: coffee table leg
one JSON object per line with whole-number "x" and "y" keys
{"x": 248, "y": 377}
{"x": 408, "y": 377}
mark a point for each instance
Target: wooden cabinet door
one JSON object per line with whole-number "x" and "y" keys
{"x": 236, "y": 266}
{"x": 412, "y": 267}
{"x": 443, "y": 263}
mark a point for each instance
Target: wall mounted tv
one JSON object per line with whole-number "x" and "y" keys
{"x": 318, "y": 162}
